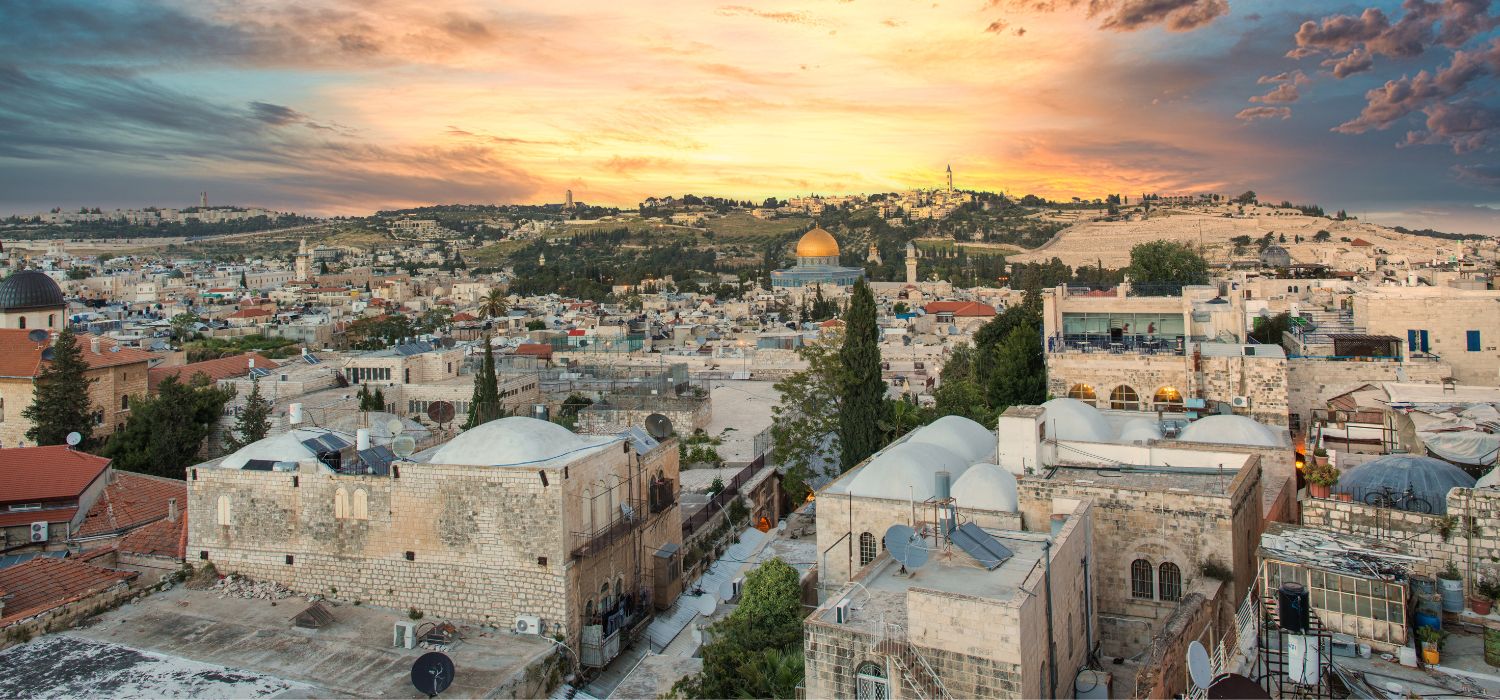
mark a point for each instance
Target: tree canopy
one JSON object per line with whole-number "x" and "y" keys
{"x": 165, "y": 432}
{"x": 60, "y": 403}
{"x": 1167, "y": 262}
{"x": 755, "y": 652}
{"x": 804, "y": 426}
{"x": 861, "y": 389}
{"x": 485, "y": 406}
{"x": 254, "y": 421}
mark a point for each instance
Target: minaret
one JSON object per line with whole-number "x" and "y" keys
{"x": 568, "y": 202}
{"x": 911, "y": 264}
{"x": 302, "y": 266}
{"x": 950, "y": 177}
{"x": 202, "y": 200}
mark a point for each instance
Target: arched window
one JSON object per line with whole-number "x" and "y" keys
{"x": 125, "y": 402}
{"x": 588, "y": 611}
{"x": 224, "y": 513}
{"x": 21, "y": 321}
{"x": 870, "y": 682}
{"x": 605, "y": 604}
{"x": 340, "y": 504}
{"x": 1124, "y": 398}
{"x": 1141, "y": 584}
{"x": 1171, "y": 581}
{"x": 360, "y": 507}
{"x": 1168, "y": 398}
{"x": 1082, "y": 392}
{"x": 51, "y": 319}
{"x": 866, "y": 548}
{"x": 619, "y": 587}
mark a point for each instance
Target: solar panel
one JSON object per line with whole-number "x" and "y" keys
{"x": 260, "y": 465}
{"x": 258, "y": 372}
{"x": 378, "y": 458}
{"x": 640, "y": 441}
{"x": 981, "y": 545}
{"x": 311, "y": 359}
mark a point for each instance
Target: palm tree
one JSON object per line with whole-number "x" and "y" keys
{"x": 494, "y": 305}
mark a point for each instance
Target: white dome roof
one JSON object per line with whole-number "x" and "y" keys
{"x": 987, "y": 487}
{"x": 282, "y": 447}
{"x": 1140, "y": 429}
{"x": 906, "y": 471}
{"x": 958, "y": 435}
{"x": 517, "y": 441}
{"x": 1230, "y": 430}
{"x": 1071, "y": 419}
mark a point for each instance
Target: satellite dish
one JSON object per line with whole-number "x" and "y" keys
{"x": 48, "y": 354}
{"x": 1199, "y": 667}
{"x": 440, "y": 412}
{"x": 403, "y": 446}
{"x": 432, "y": 673}
{"x": 394, "y": 426}
{"x": 74, "y": 438}
{"x": 726, "y": 591}
{"x": 705, "y": 605}
{"x": 659, "y": 426}
{"x": 906, "y": 546}
{"x": 37, "y": 335}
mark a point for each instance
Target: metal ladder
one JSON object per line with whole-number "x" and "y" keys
{"x": 916, "y": 674}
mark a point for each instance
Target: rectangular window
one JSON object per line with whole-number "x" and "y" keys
{"x": 1425, "y": 346}
{"x": 1411, "y": 340}
{"x": 1473, "y": 338}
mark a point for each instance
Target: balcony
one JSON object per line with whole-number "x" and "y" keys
{"x": 631, "y": 514}
{"x": 1116, "y": 344}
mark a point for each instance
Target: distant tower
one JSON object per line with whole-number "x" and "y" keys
{"x": 202, "y": 200}
{"x": 911, "y": 264}
{"x": 303, "y": 262}
{"x": 541, "y": 259}
{"x": 950, "y": 178}
{"x": 568, "y": 201}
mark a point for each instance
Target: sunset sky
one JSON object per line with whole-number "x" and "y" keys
{"x": 331, "y": 107}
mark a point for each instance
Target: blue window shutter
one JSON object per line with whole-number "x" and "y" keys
{"x": 1473, "y": 341}
{"x": 1411, "y": 340}
{"x": 1425, "y": 346}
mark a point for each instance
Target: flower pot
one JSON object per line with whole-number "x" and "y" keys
{"x": 1453, "y": 594}
{"x": 1481, "y": 606}
{"x": 1319, "y": 490}
{"x": 1430, "y": 654}
{"x": 1345, "y": 497}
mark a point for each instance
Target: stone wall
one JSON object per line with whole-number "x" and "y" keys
{"x": 1472, "y": 544}
{"x": 842, "y": 519}
{"x": 1263, "y": 379}
{"x": 1311, "y": 383}
{"x": 1447, "y": 314}
{"x": 63, "y": 616}
{"x": 608, "y": 419}
{"x": 1163, "y": 671}
{"x": 1184, "y": 528}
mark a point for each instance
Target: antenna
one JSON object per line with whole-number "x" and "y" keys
{"x": 432, "y": 673}
{"x": 659, "y": 426}
{"x": 905, "y": 546}
{"x": 1199, "y": 667}
{"x": 74, "y": 438}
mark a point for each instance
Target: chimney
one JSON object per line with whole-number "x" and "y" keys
{"x": 94, "y": 344}
{"x": 172, "y": 509}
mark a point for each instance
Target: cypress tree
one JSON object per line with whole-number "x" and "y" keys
{"x": 485, "y": 405}
{"x": 60, "y": 403}
{"x": 254, "y": 422}
{"x": 862, "y": 391}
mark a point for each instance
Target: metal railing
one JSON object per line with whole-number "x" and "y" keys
{"x": 916, "y": 674}
{"x": 1113, "y": 344}
{"x": 720, "y": 500}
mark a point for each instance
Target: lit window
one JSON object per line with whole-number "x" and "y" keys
{"x": 1124, "y": 398}
{"x": 1171, "y": 581}
{"x": 1141, "y": 584}
{"x": 1082, "y": 392}
{"x": 1168, "y": 398}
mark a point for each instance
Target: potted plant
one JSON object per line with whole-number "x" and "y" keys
{"x": 1485, "y": 593}
{"x": 1432, "y": 643}
{"x": 1451, "y": 585}
{"x": 1320, "y": 456}
{"x": 1320, "y": 480}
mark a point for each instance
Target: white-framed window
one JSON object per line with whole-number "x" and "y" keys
{"x": 870, "y": 682}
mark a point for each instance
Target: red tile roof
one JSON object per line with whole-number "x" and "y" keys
{"x": 44, "y": 583}
{"x": 250, "y": 313}
{"x": 221, "y": 368}
{"x": 163, "y": 538}
{"x": 132, "y": 500}
{"x": 464, "y": 316}
{"x": 46, "y": 473}
{"x": 960, "y": 308}
{"x": 1360, "y": 243}
{"x": 542, "y": 350}
{"x": 20, "y": 356}
{"x": 26, "y": 517}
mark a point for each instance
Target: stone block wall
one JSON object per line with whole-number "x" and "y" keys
{"x": 608, "y": 420}
{"x": 1311, "y": 383}
{"x": 842, "y": 519}
{"x": 1263, "y": 379}
{"x": 1472, "y": 544}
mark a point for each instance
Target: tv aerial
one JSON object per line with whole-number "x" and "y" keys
{"x": 906, "y": 546}
{"x": 74, "y": 438}
{"x": 659, "y": 426}
{"x": 1200, "y": 669}
{"x": 432, "y": 673}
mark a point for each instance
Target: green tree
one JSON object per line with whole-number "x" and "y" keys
{"x": 182, "y": 325}
{"x": 1166, "y": 261}
{"x": 862, "y": 391}
{"x": 59, "y": 403}
{"x": 1269, "y": 330}
{"x": 485, "y": 404}
{"x": 756, "y": 651}
{"x": 165, "y": 433}
{"x": 536, "y": 325}
{"x": 244, "y": 284}
{"x": 254, "y": 421}
{"x": 958, "y": 392}
{"x": 1020, "y": 374}
{"x": 805, "y": 424}
{"x": 1247, "y": 197}
{"x": 494, "y": 305}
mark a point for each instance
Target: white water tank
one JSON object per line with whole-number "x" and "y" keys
{"x": 362, "y": 439}
{"x": 294, "y": 414}
{"x": 1302, "y": 659}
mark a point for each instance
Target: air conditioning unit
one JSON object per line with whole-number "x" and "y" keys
{"x": 404, "y": 635}
{"x": 738, "y": 585}
{"x": 1240, "y": 402}
{"x": 528, "y": 624}
{"x": 841, "y": 612}
{"x": 39, "y": 531}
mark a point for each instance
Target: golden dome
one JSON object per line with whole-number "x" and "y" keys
{"x": 817, "y": 243}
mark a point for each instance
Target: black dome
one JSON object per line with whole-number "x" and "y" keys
{"x": 30, "y": 289}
